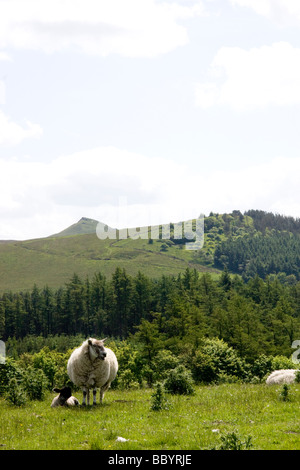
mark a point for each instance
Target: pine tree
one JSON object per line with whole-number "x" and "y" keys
{"x": 122, "y": 302}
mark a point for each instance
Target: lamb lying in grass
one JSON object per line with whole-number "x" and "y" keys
{"x": 282, "y": 376}
{"x": 92, "y": 366}
{"x": 64, "y": 398}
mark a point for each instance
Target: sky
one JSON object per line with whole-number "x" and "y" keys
{"x": 138, "y": 112}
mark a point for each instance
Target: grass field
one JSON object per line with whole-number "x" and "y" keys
{"x": 192, "y": 422}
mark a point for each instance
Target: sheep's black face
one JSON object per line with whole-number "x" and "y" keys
{"x": 66, "y": 392}
{"x": 97, "y": 349}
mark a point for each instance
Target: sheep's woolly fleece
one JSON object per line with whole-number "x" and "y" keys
{"x": 282, "y": 376}
{"x": 85, "y": 372}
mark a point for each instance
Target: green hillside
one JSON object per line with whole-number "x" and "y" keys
{"x": 247, "y": 244}
{"x": 52, "y": 261}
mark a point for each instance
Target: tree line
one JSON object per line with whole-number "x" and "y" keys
{"x": 260, "y": 316}
{"x": 267, "y": 220}
{"x": 255, "y": 242}
{"x": 272, "y": 253}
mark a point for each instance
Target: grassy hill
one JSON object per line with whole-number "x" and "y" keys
{"x": 252, "y": 243}
{"x": 52, "y": 261}
{"x": 83, "y": 226}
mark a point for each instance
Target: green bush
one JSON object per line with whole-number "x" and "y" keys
{"x": 297, "y": 377}
{"x": 261, "y": 366}
{"x": 45, "y": 361}
{"x": 284, "y": 394}
{"x": 158, "y": 399}
{"x": 179, "y": 381}
{"x": 35, "y": 383}
{"x": 61, "y": 378}
{"x": 203, "y": 368}
{"x": 282, "y": 362}
{"x": 15, "y": 394}
{"x": 224, "y": 360}
{"x": 130, "y": 365}
{"x": 7, "y": 372}
{"x": 126, "y": 379}
{"x": 228, "y": 379}
{"x": 163, "y": 362}
{"x": 232, "y": 441}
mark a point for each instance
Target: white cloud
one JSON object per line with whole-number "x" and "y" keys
{"x": 91, "y": 183}
{"x": 5, "y": 56}
{"x": 272, "y": 186}
{"x": 2, "y": 92}
{"x": 284, "y": 12}
{"x": 12, "y": 133}
{"x": 259, "y": 77}
{"x": 126, "y": 189}
{"x": 133, "y": 28}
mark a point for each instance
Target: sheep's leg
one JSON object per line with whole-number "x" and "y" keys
{"x": 103, "y": 390}
{"x": 86, "y": 396}
{"x": 94, "y": 396}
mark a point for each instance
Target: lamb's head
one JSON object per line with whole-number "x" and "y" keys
{"x": 64, "y": 394}
{"x": 96, "y": 349}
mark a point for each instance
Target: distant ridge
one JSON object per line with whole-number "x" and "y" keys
{"x": 83, "y": 226}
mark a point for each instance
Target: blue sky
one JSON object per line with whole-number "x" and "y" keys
{"x": 144, "y": 111}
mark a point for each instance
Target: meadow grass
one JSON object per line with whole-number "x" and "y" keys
{"x": 192, "y": 422}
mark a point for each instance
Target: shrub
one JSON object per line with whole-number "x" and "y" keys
{"x": 15, "y": 394}
{"x": 203, "y": 368}
{"x": 130, "y": 366}
{"x": 49, "y": 362}
{"x": 261, "y": 366}
{"x": 126, "y": 379}
{"x": 297, "y": 376}
{"x": 164, "y": 247}
{"x": 158, "y": 398}
{"x": 164, "y": 361}
{"x": 35, "y": 383}
{"x": 61, "y": 378}
{"x": 223, "y": 358}
{"x": 179, "y": 381}
{"x": 282, "y": 362}
{"x": 7, "y": 372}
{"x": 227, "y": 379}
{"x": 284, "y": 394}
{"x": 232, "y": 441}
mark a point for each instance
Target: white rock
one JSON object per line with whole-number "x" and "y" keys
{"x": 121, "y": 439}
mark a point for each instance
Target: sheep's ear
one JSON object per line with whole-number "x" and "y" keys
{"x": 56, "y": 390}
{"x": 103, "y": 340}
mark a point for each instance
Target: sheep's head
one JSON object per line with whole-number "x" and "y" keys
{"x": 96, "y": 349}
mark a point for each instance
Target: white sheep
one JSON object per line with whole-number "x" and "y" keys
{"x": 92, "y": 366}
{"x": 64, "y": 398}
{"x": 282, "y": 376}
